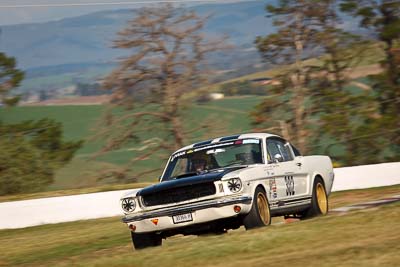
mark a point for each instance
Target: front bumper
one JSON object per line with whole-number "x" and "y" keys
{"x": 202, "y": 212}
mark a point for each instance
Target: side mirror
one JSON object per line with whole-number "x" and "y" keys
{"x": 159, "y": 179}
{"x": 278, "y": 158}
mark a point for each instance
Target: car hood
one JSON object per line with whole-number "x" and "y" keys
{"x": 192, "y": 180}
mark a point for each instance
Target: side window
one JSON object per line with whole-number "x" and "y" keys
{"x": 272, "y": 150}
{"x": 296, "y": 151}
{"x": 276, "y": 146}
{"x": 285, "y": 150}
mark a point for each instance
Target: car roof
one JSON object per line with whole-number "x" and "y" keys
{"x": 226, "y": 138}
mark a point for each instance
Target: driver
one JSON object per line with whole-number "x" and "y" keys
{"x": 199, "y": 165}
{"x": 199, "y": 162}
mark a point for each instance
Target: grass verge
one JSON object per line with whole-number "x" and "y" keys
{"x": 359, "y": 238}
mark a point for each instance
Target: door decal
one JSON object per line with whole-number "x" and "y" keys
{"x": 289, "y": 185}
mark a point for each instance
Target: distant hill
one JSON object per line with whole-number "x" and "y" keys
{"x": 88, "y": 38}
{"x": 61, "y": 53}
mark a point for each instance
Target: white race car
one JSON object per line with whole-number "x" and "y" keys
{"x": 223, "y": 183}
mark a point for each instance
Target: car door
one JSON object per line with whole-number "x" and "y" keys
{"x": 286, "y": 178}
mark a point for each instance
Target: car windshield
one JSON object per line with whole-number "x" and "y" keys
{"x": 212, "y": 157}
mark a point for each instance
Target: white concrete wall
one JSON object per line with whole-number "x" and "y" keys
{"x": 366, "y": 176}
{"x": 19, "y": 214}
{"x": 24, "y": 213}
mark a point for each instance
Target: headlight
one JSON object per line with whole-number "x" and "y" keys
{"x": 128, "y": 204}
{"x": 234, "y": 185}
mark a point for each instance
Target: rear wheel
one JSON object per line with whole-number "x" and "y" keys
{"x": 141, "y": 241}
{"x": 319, "y": 201}
{"x": 259, "y": 214}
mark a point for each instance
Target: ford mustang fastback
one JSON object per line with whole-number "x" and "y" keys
{"x": 225, "y": 183}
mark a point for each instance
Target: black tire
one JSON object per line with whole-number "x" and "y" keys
{"x": 260, "y": 214}
{"x": 141, "y": 241}
{"x": 319, "y": 202}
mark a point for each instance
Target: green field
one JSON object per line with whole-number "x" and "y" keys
{"x": 79, "y": 122}
{"x": 227, "y": 116}
{"x": 356, "y": 239}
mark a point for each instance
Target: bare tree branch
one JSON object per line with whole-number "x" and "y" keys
{"x": 167, "y": 61}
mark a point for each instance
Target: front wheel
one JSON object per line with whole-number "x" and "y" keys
{"x": 259, "y": 214}
{"x": 319, "y": 201}
{"x": 141, "y": 241}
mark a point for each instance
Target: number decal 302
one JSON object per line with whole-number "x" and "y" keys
{"x": 289, "y": 185}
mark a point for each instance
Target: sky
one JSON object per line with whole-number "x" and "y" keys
{"x": 30, "y": 11}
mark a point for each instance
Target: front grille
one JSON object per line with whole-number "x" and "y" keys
{"x": 179, "y": 194}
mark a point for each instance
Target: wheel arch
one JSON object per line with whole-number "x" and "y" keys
{"x": 259, "y": 184}
{"x": 315, "y": 207}
{"x": 316, "y": 175}
{"x": 253, "y": 218}
{"x": 262, "y": 186}
{"x": 319, "y": 176}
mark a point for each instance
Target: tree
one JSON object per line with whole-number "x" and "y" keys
{"x": 337, "y": 104}
{"x": 289, "y": 110}
{"x": 31, "y": 151}
{"x": 21, "y": 168}
{"x": 383, "y": 18}
{"x": 313, "y": 103}
{"x": 167, "y": 61}
{"x": 10, "y": 77}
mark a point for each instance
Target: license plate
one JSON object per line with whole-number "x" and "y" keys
{"x": 182, "y": 218}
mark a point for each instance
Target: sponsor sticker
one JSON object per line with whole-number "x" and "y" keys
{"x": 272, "y": 188}
{"x": 213, "y": 146}
{"x": 178, "y": 155}
{"x": 251, "y": 141}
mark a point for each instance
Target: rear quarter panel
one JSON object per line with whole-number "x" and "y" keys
{"x": 319, "y": 166}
